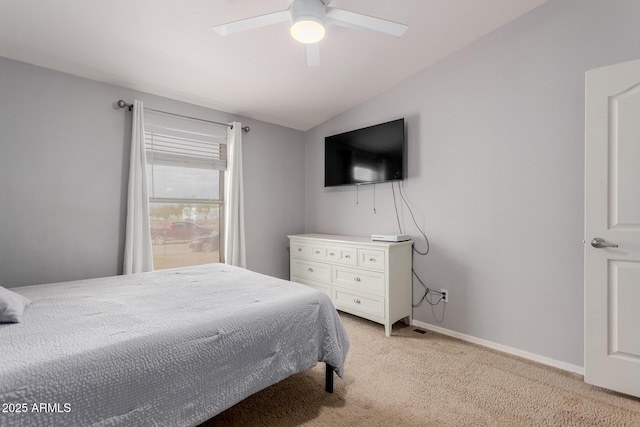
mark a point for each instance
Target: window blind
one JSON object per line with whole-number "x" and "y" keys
{"x": 184, "y": 163}
{"x": 186, "y": 149}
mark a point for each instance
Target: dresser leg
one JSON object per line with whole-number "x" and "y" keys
{"x": 387, "y": 329}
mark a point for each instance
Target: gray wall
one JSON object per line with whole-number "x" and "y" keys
{"x": 64, "y": 158}
{"x": 495, "y": 143}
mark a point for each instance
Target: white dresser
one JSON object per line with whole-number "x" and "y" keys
{"x": 362, "y": 277}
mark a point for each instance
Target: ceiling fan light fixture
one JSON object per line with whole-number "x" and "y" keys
{"x": 308, "y": 19}
{"x": 308, "y": 29}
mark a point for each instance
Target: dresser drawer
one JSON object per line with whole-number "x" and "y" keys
{"x": 334, "y": 254}
{"x": 361, "y": 280}
{"x": 371, "y": 258}
{"x": 319, "y": 252}
{"x": 300, "y": 249}
{"x": 346, "y": 256}
{"x": 322, "y": 287}
{"x": 311, "y": 270}
{"x": 350, "y": 301}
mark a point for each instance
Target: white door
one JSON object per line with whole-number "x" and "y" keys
{"x": 612, "y": 217}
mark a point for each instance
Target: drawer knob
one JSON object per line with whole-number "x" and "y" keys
{"x": 372, "y": 260}
{"x": 310, "y": 270}
{"x": 347, "y": 256}
{"x": 357, "y": 301}
{"x": 299, "y": 249}
{"x": 317, "y": 252}
{"x": 332, "y": 254}
{"x": 357, "y": 279}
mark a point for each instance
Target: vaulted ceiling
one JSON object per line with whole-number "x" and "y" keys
{"x": 167, "y": 47}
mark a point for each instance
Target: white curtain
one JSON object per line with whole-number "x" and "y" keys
{"x": 138, "y": 255}
{"x": 234, "y": 242}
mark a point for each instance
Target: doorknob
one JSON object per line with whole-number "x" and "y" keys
{"x": 597, "y": 242}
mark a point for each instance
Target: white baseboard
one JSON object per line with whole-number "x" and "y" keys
{"x": 503, "y": 348}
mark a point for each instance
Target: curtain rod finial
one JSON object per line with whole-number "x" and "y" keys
{"x": 246, "y": 129}
{"x": 123, "y": 104}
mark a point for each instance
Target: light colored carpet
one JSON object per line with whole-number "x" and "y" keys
{"x": 431, "y": 380}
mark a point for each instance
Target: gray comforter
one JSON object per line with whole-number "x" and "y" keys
{"x": 172, "y": 347}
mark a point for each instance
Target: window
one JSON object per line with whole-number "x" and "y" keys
{"x": 185, "y": 174}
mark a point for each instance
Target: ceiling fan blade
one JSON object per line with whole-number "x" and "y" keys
{"x": 344, "y": 18}
{"x": 312, "y": 54}
{"x": 251, "y": 23}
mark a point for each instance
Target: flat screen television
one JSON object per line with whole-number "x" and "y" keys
{"x": 370, "y": 155}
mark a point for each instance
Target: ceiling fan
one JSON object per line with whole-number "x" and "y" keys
{"x": 308, "y": 19}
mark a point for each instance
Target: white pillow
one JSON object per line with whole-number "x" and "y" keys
{"x": 12, "y": 306}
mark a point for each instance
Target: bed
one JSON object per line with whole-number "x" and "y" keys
{"x": 172, "y": 347}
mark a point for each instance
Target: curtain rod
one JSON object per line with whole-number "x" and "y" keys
{"x": 123, "y": 104}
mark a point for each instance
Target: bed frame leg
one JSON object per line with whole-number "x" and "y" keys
{"x": 328, "y": 379}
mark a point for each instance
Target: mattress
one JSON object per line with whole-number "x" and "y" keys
{"x": 172, "y": 347}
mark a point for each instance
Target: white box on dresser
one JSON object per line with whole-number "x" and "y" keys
{"x": 370, "y": 279}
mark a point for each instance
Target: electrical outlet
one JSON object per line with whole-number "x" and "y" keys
{"x": 445, "y": 295}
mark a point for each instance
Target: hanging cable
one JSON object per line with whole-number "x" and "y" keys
{"x": 395, "y": 205}
{"x": 426, "y": 295}
{"x": 428, "y": 292}
{"x": 400, "y": 188}
{"x": 374, "y": 198}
